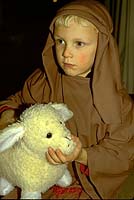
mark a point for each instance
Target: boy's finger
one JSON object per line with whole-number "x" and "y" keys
{"x": 61, "y": 156}
{"x": 53, "y": 157}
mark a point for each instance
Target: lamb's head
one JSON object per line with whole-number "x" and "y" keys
{"x": 42, "y": 126}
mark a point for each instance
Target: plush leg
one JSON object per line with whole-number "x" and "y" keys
{"x": 65, "y": 180}
{"x": 5, "y": 187}
{"x": 30, "y": 195}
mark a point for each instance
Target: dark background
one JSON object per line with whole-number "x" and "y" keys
{"x": 23, "y": 32}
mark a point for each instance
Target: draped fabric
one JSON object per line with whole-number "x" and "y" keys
{"x": 122, "y": 12}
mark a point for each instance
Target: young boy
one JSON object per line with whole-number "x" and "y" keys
{"x": 81, "y": 69}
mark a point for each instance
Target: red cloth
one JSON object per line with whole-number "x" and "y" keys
{"x": 84, "y": 169}
{"x": 62, "y": 190}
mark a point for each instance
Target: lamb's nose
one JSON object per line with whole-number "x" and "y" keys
{"x": 68, "y": 137}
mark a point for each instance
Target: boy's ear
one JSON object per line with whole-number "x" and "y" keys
{"x": 10, "y": 135}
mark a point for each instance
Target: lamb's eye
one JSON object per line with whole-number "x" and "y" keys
{"x": 49, "y": 135}
{"x": 61, "y": 122}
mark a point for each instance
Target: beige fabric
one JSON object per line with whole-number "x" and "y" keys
{"x": 103, "y": 112}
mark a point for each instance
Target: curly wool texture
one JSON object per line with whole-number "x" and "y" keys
{"x": 24, "y": 164}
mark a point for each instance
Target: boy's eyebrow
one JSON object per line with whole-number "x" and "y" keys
{"x": 75, "y": 39}
{"x": 55, "y": 35}
{"x": 58, "y": 36}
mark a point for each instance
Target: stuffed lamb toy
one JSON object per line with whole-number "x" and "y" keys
{"x": 23, "y": 145}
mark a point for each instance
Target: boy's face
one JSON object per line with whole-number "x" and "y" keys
{"x": 75, "y": 48}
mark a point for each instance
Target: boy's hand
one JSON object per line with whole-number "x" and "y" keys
{"x": 57, "y": 157}
{"x": 7, "y": 117}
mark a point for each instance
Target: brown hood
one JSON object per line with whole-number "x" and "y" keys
{"x": 106, "y": 70}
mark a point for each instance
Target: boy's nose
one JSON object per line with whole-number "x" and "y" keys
{"x": 67, "y": 52}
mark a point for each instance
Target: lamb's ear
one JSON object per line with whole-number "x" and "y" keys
{"x": 63, "y": 110}
{"x": 10, "y": 135}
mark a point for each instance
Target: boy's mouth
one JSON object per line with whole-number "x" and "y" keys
{"x": 68, "y": 65}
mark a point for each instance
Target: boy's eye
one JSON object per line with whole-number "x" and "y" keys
{"x": 59, "y": 41}
{"x": 80, "y": 44}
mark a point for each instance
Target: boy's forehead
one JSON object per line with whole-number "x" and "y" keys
{"x": 61, "y": 28}
{"x": 72, "y": 21}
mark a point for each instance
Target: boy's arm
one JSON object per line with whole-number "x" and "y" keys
{"x": 7, "y": 117}
{"x": 30, "y": 94}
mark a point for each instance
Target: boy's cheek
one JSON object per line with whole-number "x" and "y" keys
{"x": 82, "y": 58}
